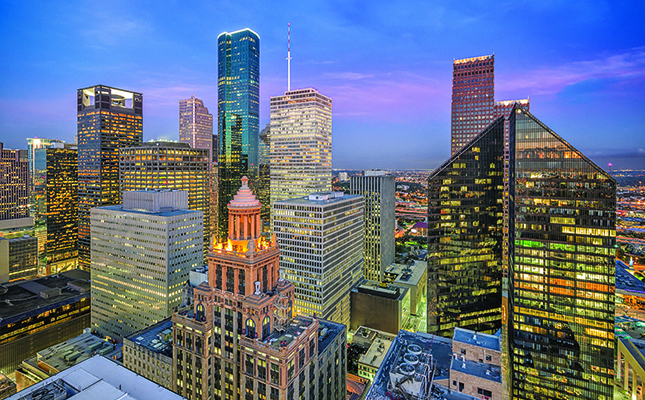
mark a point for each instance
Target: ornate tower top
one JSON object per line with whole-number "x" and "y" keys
{"x": 244, "y": 199}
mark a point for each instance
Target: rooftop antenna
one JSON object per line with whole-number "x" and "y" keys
{"x": 289, "y": 56}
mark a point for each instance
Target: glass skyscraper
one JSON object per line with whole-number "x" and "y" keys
{"x": 465, "y": 212}
{"x": 108, "y": 119}
{"x": 562, "y": 219}
{"x": 238, "y": 111}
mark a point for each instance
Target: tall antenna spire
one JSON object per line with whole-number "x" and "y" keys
{"x": 289, "y": 56}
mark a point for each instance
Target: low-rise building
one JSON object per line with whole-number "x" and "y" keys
{"x": 384, "y": 307}
{"x": 149, "y": 353}
{"x": 476, "y": 364}
{"x": 40, "y": 313}
{"x": 62, "y": 356}
{"x": 96, "y": 378}
{"x": 413, "y": 275}
{"x": 370, "y": 362}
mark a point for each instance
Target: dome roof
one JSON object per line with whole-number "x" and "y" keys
{"x": 244, "y": 197}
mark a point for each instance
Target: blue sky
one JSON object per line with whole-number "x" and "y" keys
{"x": 386, "y": 65}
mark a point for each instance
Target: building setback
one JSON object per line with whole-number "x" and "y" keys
{"x": 170, "y": 166}
{"x": 377, "y": 190}
{"x": 108, "y": 119}
{"x": 142, "y": 253}
{"x": 300, "y": 140}
{"x": 321, "y": 242}
{"x": 240, "y": 339}
{"x": 238, "y": 115}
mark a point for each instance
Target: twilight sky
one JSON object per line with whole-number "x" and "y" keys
{"x": 387, "y": 65}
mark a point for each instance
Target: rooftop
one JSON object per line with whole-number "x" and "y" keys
{"x": 376, "y": 353}
{"x": 636, "y": 348}
{"x": 320, "y": 199}
{"x": 408, "y": 274}
{"x": 476, "y": 339}
{"x": 156, "y": 338}
{"x": 410, "y": 364}
{"x": 627, "y": 283}
{"x": 23, "y": 299}
{"x": 97, "y": 378}
{"x": 328, "y": 331}
{"x": 480, "y": 370}
{"x": 74, "y": 351}
{"x": 296, "y": 327}
{"x": 373, "y": 288}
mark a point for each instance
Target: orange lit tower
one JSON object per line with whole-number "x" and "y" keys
{"x": 239, "y": 339}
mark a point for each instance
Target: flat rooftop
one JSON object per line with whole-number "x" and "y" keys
{"x": 169, "y": 213}
{"x": 23, "y": 299}
{"x": 627, "y": 283}
{"x": 74, "y": 351}
{"x": 480, "y": 370}
{"x": 374, "y": 289}
{"x": 154, "y": 338}
{"x": 409, "y": 275}
{"x": 490, "y": 342}
{"x": 376, "y": 353}
{"x": 295, "y": 328}
{"x": 97, "y": 378}
{"x": 323, "y": 199}
{"x": 331, "y": 331}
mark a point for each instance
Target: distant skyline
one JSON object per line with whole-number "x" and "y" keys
{"x": 386, "y": 65}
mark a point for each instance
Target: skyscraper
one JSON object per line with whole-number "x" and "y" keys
{"x": 465, "y": 213}
{"x": 166, "y": 165}
{"x": 14, "y": 189}
{"x": 108, "y": 119}
{"x": 264, "y": 177}
{"x": 377, "y": 189}
{"x": 240, "y": 338}
{"x": 238, "y": 110}
{"x": 321, "y": 242}
{"x": 473, "y": 92}
{"x": 562, "y": 237}
{"x": 196, "y": 125}
{"x": 142, "y": 253}
{"x": 300, "y": 144}
{"x": 36, "y": 152}
{"x": 61, "y": 208}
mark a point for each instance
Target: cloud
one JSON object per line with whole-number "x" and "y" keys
{"x": 626, "y": 66}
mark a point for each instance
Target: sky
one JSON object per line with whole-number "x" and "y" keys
{"x": 387, "y": 65}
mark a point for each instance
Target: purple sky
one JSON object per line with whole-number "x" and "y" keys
{"x": 386, "y": 65}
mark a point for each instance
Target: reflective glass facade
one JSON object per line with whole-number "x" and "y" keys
{"x": 108, "y": 119}
{"x": 62, "y": 208}
{"x": 238, "y": 110}
{"x": 264, "y": 177}
{"x": 473, "y": 92}
{"x": 465, "y": 219}
{"x": 14, "y": 184}
{"x": 562, "y": 213}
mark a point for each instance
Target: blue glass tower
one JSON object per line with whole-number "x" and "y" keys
{"x": 238, "y": 112}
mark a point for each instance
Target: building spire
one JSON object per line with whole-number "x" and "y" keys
{"x": 289, "y": 56}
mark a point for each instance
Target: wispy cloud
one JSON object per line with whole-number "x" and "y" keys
{"x": 629, "y": 65}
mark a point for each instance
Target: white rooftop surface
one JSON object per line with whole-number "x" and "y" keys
{"x": 101, "y": 379}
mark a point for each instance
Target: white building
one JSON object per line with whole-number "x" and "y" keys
{"x": 321, "y": 242}
{"x": 377, "y": 189}
{"x": 300, "y": 141}
{"x": 142, "y": 253}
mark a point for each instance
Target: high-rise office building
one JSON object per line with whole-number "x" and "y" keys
{"x": 300, "y": 144}
{"x": 240, "y": 339}
{"x": 61, "y": 208}
{"x": 14, "y": 189}
{"x": 238, "y": 111}
{"x": 166, "y": 165}
{"x": 264, "y": 176}
{"x": 108, "y": 119}
{"x": 196, "y": 125}
{"x": 562, "y": 237}
{"x": 321, "y": 242}
{"x": 473, "y": 92}
{"x": 18, "y": 258}
{"x": 142, "y": 253}
{"x": 377, "y": 189}
{"x": 37, "y": 154}
{"x": 465, "y": 213}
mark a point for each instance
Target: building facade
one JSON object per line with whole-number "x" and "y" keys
{"x": 473, "y": 93}
{"x": 300, "y": 144}
{"x": 149, "y": 353}
{"x": 561, "y": 273}
{"x": 238, "y": 112}
{"x": 465, "y": 219}
{"x": 18, "y": 258}
{"x": 379, "y": 306}
{"x": 142, "y": 253}
{"x": 377, "y": 189}
{"x": 264, "y": 177}
{"x": 196, "y": 125}
{"x": 174, "y": 166}
{"x": 108, "y": 120}
{"x": 61, "y": 208}
{"x": 14, "y": 189}
{"x": 239, "y": 339}
{"x": 321, "y": 242}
